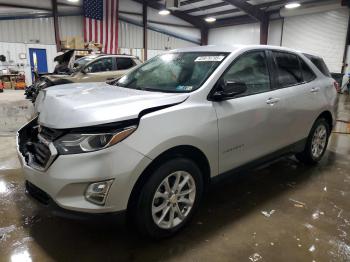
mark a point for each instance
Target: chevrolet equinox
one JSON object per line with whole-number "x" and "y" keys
{"x": 150, "y": 142}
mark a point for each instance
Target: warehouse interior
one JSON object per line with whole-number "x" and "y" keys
{"x": 281, "y": 211}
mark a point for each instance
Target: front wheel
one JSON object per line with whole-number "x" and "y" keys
{"x": 316, "y": 143}
{"x": 169, "y": 198}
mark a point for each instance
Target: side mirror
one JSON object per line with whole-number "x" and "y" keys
{"x": 229, "y": 89}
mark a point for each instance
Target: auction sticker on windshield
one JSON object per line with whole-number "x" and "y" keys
{"x": 209, "y": 58}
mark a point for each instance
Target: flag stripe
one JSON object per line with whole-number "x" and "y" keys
{"x": 116, "y": 28}
{"x": 85, "y": 36}
{"x": 112, "y": 28}
{"x": 101, "y": 32}
{"x": 107, "y": 26}
{"x": 101, "y": 23}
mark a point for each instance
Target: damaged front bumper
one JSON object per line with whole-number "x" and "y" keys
{"x": 64, "y": 179}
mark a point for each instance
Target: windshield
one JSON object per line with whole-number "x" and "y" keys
{"x": 173, "y": 72}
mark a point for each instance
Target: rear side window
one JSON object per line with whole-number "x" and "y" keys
{"x": 124, "y": 63}
{"x": 308, "y": 74}
{"x": 320, "y": 64}
{"x": 288, "y": 69}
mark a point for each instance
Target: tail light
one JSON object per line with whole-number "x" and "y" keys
{"x": 336, "y": 86}
{"x": 1, "y": 85}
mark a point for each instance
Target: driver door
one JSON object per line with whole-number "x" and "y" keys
{"x": 248, "y": 123}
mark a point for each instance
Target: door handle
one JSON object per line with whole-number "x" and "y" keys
{"x": 272, "y": 101}
{"x": 315, "y": 89}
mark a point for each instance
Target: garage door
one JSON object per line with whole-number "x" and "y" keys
{"x": 322, "y": 34}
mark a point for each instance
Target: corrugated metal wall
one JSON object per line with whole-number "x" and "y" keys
{"x": 27, "y": 31}
{"x": 41, "y": 30}
{"x": 131, "y": 36}
{"x": 322, "y": 34}
{"x": 248, "y": 34}
{"x": 71, "y": 26}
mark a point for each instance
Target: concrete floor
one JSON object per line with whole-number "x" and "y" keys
{"x": 281, "y": 212}
{"x": 15, "y": 110}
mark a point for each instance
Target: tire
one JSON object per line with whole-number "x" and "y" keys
{"x": 145, "y": 213}
{"x": 310, "y": 156}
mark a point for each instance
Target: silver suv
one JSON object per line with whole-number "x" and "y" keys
{"x": 151, "y": 142}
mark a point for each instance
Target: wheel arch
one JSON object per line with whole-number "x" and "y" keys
{"x": 187, "y": 151}
{"x": 327, "y": 115}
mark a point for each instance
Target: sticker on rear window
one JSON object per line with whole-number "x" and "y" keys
{"x": 209, "y": 58}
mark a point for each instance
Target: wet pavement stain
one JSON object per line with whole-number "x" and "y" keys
{"x": 282, "y": 212}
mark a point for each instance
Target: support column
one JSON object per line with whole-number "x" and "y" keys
{"x": 204, "y": 36}
{"x": 264, "y": 31}
{"x": 144, "y": 21}
{"x": 55, "y": 23}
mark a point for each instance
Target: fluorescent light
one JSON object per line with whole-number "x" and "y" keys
{"x": 210, "y": 19}
{"x": 164, "y": 12}
{"x": 73, "y": 1}
{"x": 292, "y": 5}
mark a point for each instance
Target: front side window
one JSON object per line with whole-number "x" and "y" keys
{"x": 288, "y": 69}
{"x": 173, "y": 72}
{"x": 124, "y": 63}
{"x": 101, "y": 65}
{"x": 252, "y": 70}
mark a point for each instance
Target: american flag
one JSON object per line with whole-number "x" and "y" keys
{"x": 101, "y": 23}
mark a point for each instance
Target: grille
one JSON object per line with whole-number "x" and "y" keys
{"x": 34, "y": 142}
{"x": 40, "y": 153}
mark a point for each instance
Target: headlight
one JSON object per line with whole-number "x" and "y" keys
{"x": 75, "y": 143}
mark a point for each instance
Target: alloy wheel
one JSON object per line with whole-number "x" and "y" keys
{"x": 319, "y": 141}
{"x": 173, "y": 199}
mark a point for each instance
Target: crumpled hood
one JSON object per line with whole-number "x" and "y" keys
{"x": 87, "y": 104}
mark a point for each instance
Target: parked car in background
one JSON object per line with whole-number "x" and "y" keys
{"x": 152, "y": 143}
{"x": 93, "y": 68}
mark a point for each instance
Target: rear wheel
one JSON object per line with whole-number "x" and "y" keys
{"x": 316, "y": 143}
{"x": 169, "y": 198}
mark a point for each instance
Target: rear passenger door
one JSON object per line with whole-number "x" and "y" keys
{"x": 250, "y": 125}
{"x": 293, "y": 75}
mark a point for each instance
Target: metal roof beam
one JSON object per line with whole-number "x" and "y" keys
{"x": 239, "y": 20}
{"x": 249, "y": 9}
{"x": 206, "y": 7}
{"x": 190, "y": 19}
{"x": 26, "y": 7}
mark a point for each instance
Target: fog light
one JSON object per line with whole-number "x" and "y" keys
{"x": 97, "y": 192}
